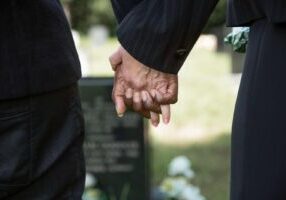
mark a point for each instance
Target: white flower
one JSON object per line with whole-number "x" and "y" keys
{"x": 180, "y": 189}
{"x": 173, "y": 187}
{"x": 181, "y": 166}
{"x": 178, "y": 186}
{"x": 90, "y": 180}
{"x": 191, "y": 193}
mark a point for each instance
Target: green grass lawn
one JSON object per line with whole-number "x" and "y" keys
{"x": 201, "y": 122}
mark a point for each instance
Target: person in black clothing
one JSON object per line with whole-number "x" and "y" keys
{"x": 41, "y": 123}
{"x": 156, "y": 38}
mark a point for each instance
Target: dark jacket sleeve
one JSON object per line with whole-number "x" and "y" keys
{"x": 161, "y": 33}
{"x": 123, "y": 7}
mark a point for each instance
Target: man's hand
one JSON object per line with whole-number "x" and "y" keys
{"x": 144, "y": 89}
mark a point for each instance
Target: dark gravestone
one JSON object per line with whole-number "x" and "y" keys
{"x": 219, "y": 33}
{"x": 238, "y": 60}
{"x": 115, "y": 149}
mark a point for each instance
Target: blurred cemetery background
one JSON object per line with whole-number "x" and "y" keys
{"x": 201, "y": 120}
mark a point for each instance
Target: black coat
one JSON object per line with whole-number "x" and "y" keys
{"x": 161, "y": 33}
{"x": 37, "y": 53}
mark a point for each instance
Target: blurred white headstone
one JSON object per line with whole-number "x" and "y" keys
{"x": 76, "y": 38}
{"x": 99, "y": 35}
{"x": 208, "y": 42}
{"x": 81, "y": 54}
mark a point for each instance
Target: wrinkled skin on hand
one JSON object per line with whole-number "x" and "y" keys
{"x": 145, "y": 90}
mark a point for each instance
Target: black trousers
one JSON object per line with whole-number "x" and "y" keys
{"x": 259, "y": 127}
{"x": 41, "y": 155}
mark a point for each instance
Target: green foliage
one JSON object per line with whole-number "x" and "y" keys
{"x": 218, "y": 16}
{"x": 85, "y": 13}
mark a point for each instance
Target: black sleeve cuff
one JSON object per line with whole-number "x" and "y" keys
{"x": 161, "y": 33}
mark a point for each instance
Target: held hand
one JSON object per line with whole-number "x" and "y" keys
{"x": 135, "y": 100}
{"x": 146, "y": 90}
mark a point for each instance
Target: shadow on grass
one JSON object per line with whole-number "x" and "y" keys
{"x": 210, "y": 162}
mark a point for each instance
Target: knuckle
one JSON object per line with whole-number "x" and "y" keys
{"x": 137, "y": 83}
{"x": 175, "y": 100}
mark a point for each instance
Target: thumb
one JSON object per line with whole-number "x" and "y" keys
{"x": 115, "y": 59}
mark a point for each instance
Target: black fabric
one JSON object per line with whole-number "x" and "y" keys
{"x": 243, "y": 13}
{"x": 161, "y": 33}
{"x": 259, "y": 139}
{"x": 37, "y": 52}
{"x": 41, "y": 138}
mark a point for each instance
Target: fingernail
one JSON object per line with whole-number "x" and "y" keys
{"x": 137, "y": 97}
{"x": 166, "y": 120}
{"x": 129, "y": 94}
{"x": 153, "y": 93}
{"x": 155, "y": 124}
{"x": 119, "y": 114}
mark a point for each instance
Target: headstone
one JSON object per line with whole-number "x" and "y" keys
{"x": 85, "y": 70}
{"x": 219, "y": 33}
{"x": 115, "y": 148}
{"x": 238, "y": 60}
{"x": 99, "y": 35}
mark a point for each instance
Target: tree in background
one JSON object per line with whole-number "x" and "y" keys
{"x": 85, "y": 13}
{"x": 216, "y": 24}
{"x": 218, "y": 16}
